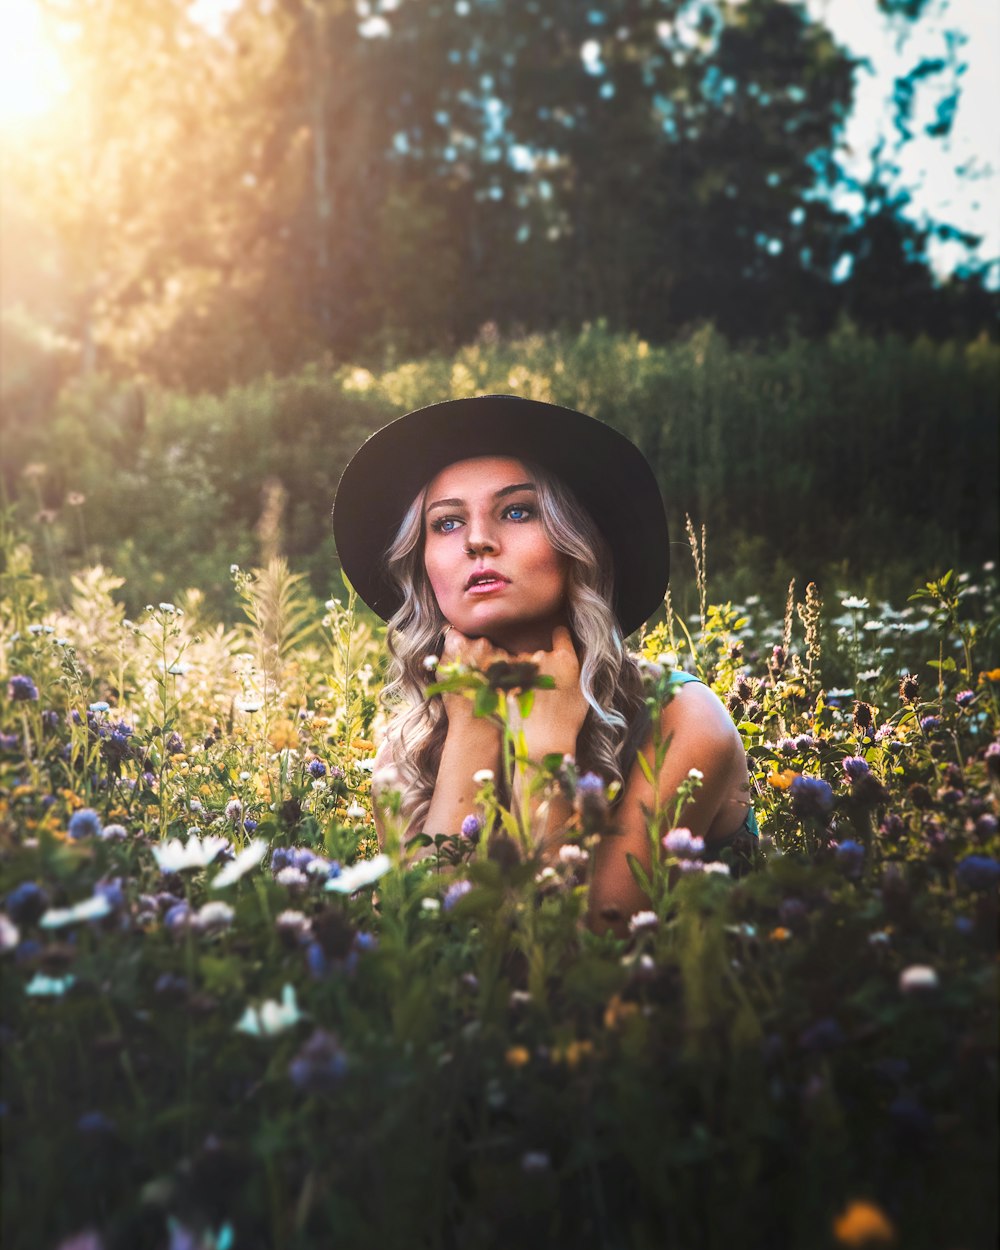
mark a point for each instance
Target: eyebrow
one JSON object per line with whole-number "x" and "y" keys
{"x": 500, "y": 494}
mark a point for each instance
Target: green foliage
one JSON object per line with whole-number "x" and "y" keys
{"x": 809, "y": 457}
{"x": 447, "y": 1055}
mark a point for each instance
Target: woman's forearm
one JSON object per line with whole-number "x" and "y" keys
{"x": 467, "y": 750}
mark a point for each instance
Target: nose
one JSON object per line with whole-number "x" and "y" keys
{"x": 481, "y": 538}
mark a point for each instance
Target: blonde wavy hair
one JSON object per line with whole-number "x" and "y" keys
{"x": 609, "y": 677}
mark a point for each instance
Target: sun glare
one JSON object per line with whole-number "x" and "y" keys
{"x": 31, "y": 74}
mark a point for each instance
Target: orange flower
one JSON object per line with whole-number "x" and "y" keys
{"x": 782, "y": 780}
{"x": 362, "y": 744}
{"x": 863, "y": 1224}
{"x": 517, "y": 1056}
{"x": 284, "y": 735}
{"x": 617, "y": 1011}
{"x": 992, "y": 675}
{"x": 780, "y": 934}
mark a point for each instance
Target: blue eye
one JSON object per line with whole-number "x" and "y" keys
{"x": 445, "y": 524}
{"x": 518, "y": 512}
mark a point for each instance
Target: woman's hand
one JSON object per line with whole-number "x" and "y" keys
{"x": 477, "y": 653}
{"x": 557, "y": 715}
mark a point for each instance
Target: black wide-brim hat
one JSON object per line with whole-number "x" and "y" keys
{"x": 605, "y": 471}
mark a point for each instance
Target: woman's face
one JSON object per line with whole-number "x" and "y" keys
{"x": 492, "y": 569}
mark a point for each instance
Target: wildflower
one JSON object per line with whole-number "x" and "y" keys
{"x": 94, "y": 908}
{"x": 177, "y": 918}
{"x": 292, "y": 926}
{"x": 234, "y": 809}
{"x": 517, "y": 1056}
{"x": 355, "y": 812}
{"x": 718, "y": 868}
{"x": 26, "y": 902}
{"x": 855, "y": 767}
{"x": 21, "y": 689}
{"x": 682, "y": 842}
{"x": 472, "y": 828}
{"x": 909, "y": 688}
{"x": 99, "y": 707}
{"x": 246, "y": 859}
{"x": 929, "y": 723}
{"x": 643, "y": 921}
{"x": 854, "y": 604}
{"x": 864, "y": 716}
{"x": 780, "y": 934}
{"x": 570, "y": 853}
{"x": 212, "y": 917}
{"x": 271, "y": 1018}
{"x": 41, "y": 986}
{"x": 863, "y": 1224}
{"x": 917, "y": 978}
{"x": 357, "y": 876}
{"x": 319, "y": 1065}
{"x": 483, "y": 776}
{"x": 786, "y": 746}
{"x": 879, "y": 937}
{"x": 114, "y": 833}
{"x": 850, "y": 857}
{"x": 173, "y": 856}
{"x": 174, "y": 744}
{"x": 292, "y": 878}
{"x": 317, "y": 768}
{"x": 965, "y": 697}
{"x": 454, "y": 892}
{"x": 782, "y": 780}
{"x": 10, "y": 935}
{"x": 430, "y": 905}
{"x": 430, "y": 663}
{"x": 992, "y": 758}
{"x": 977, "y": 872}
{"x": 84, "y": 823}
{"x": 811, "y": 796}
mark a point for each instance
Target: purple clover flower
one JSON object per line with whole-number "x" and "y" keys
{"x": 590, "y": 784}
{"x": 929, "y": 723}
{"x": 855, "y": 767}
{"x": 472, "y": 827}
{"x": 21, "y": 689}
{"x": 811, "y": 796}
{"x": 965, "y": 697}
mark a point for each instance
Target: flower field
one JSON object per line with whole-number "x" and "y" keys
{"x": 231, "y": 1020}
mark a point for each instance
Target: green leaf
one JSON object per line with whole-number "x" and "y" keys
{"x": 640, "y": 874}
{"x": 487, "y": 702}
{"x": 947, "y": 665}
{"x": 525, "y": 702}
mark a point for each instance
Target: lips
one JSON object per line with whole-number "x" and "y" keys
{"x": 483, "y": 580}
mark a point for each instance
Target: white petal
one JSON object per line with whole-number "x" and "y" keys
{"x": 364, "y": 872}
{"x": 248, "y": 858}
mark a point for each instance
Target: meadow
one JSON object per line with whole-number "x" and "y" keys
{"x": 231, "y": 1020}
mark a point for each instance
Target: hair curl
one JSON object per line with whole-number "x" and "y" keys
{"x": 609, "y": 677}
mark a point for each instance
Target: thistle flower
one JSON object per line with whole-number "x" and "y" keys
{"x": 320, "y": 1065}
{"x": 811, "y": 796}
{"x": 855, "y": 767}
{"x": 21, "y": 689}
{"x": 929, "y": 723}
{"x": 977, "y": 872}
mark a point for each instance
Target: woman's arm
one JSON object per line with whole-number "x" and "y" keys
{"x": 702, "y": 736}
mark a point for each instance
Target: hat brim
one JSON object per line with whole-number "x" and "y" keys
{"x": 608, "y": 474}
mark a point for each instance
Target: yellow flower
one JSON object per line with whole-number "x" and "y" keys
{"x": 782, "y": 780}
{"x": 517, "y": 1056}
{"x": 572, "y": 1053}
{"x": 284, "y": 735}
{"x": 780, "y": 934}
{"x": 617, "y": 1011}
{"x": 72, "y": 799}
{"x": 863, "y": 1224}
{"x": 362, "y": 744}
{"x": 992, "y": 675}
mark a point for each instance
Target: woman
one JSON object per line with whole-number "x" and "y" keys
{"x": 500, "y": 527}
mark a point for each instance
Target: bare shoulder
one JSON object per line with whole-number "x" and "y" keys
{"x": 697, "y": 714}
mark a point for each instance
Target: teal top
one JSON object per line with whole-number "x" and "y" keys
{"x": 749, "y": 826}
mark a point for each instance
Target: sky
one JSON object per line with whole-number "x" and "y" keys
{"x": 955, "y": 180}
